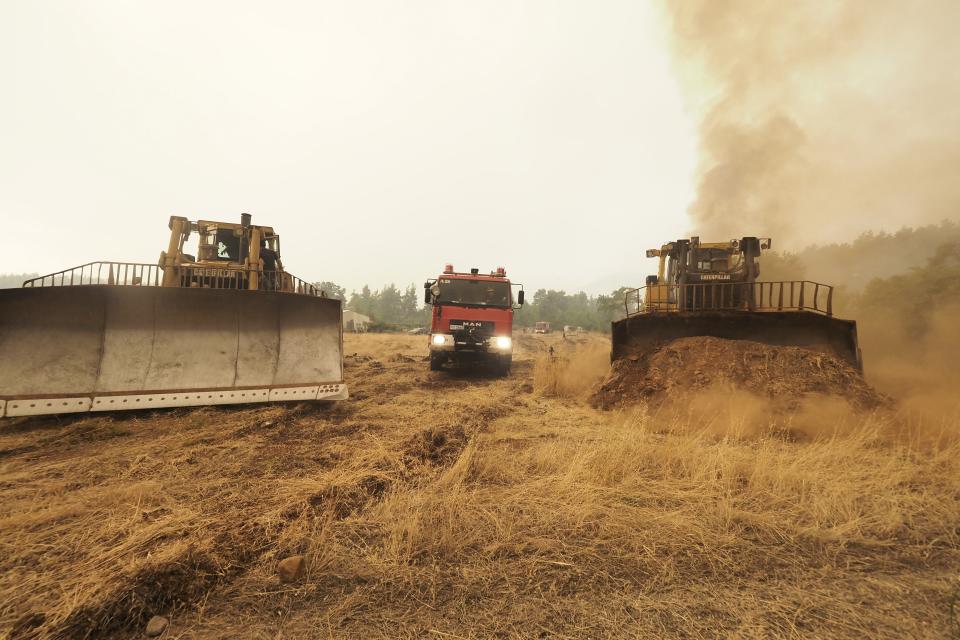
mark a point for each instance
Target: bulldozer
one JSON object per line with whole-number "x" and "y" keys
{"x": 229, "y": 256}
{"x": 224, "y": 324}
{"x": 713, "y": 289}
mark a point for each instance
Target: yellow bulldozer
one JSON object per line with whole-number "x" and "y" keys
{"x": 224, "y": 324}
{"x": 713, "y": 289}
{"x": 229, "y": 256}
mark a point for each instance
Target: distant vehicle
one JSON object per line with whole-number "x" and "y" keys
{"x": 419, "y": 331}
{"x": 472, "y": 319}
{"x": 541, "y": 327}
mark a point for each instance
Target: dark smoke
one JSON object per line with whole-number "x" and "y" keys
{"x": 821, "y": 119}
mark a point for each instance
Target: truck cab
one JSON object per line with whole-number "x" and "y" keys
{"x": 472, "y": 318}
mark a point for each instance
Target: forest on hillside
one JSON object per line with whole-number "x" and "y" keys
{"x": 851, "y": 266}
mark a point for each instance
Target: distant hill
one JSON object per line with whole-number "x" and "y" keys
{"x": 14, "y": 280}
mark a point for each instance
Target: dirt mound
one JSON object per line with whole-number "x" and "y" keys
{"x": 700, "y": 363}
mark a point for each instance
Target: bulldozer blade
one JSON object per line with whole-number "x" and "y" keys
{"x": 643, "y": 333}
{"x": 105, "y": 348}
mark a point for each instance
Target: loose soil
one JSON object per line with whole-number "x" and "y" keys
{"x": 786, "y": 375}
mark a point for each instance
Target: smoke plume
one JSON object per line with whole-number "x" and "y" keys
{"x": 821, "y": 119}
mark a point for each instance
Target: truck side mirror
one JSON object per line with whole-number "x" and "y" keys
{"x": 426, "y": 293}
{"x": 520, "y": 298}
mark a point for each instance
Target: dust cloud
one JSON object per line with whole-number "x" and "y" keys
{"x": 819, "y": 120}
{"x": 573, "y": 371}
{"x": 725, "y": 411}
{"x": 921, "y": 369}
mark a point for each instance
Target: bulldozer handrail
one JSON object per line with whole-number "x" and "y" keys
{"x": 116, "y": 273}
{"x": 785, "y": 295}
{"x": 150, "y": 275}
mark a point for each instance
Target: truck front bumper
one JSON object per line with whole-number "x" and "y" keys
{"x": 448, "y": 343}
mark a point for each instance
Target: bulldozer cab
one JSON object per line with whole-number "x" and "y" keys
{"x": 690, "y": 261}
{"x": 735, "y": 261}
{"x": 224, "y": 242}
{"x": 226, "y": 256}
{"x": 218, "y": 244}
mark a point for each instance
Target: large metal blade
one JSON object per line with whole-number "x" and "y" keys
{"x": 101, "y": 348}
{"x": 644, "y": 332}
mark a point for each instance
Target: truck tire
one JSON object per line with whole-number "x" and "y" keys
{"x": 436, "y": 362}
{"x": 502, "y": 366}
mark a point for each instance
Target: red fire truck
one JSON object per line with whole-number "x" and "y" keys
{"x": 472, "y": 318}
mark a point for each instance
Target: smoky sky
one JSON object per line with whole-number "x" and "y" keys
{"x": 819, "y": 120}
{"x": 381, "y": 139}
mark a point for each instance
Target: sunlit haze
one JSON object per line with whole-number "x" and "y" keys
{"x": 380, "y": 139}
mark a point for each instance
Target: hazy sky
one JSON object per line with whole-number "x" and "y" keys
{"x": 384, "y": 138}
{"x": 381, "y": 139}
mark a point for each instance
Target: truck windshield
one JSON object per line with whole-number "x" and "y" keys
{"x": 479, "y": 292}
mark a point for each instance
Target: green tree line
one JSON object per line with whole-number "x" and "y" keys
{"x": 388, "y": 307}
{"x": 559, "y": 308}
{"x": 393, "y": 308}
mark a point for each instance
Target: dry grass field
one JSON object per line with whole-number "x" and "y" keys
{"x": 458, "y": 505}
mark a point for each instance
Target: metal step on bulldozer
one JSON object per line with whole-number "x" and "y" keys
{"x": 228, "y": 325}
{"x": 712, "y": 289}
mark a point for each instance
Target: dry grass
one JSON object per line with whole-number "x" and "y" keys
{"x": 443, "y": 505}
{"x": 688, "y": 537}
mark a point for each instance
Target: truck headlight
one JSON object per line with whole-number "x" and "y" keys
{"x": 439, "y": 338}
{"x": 503, "y": 342}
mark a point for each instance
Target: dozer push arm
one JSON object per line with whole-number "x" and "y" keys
{"x": 253, "y": 258}
{"x": 170, "y": 260}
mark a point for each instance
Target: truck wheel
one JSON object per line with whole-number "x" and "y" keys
{"x": 502, "y": 366}
{"x": 436, "y": 362}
